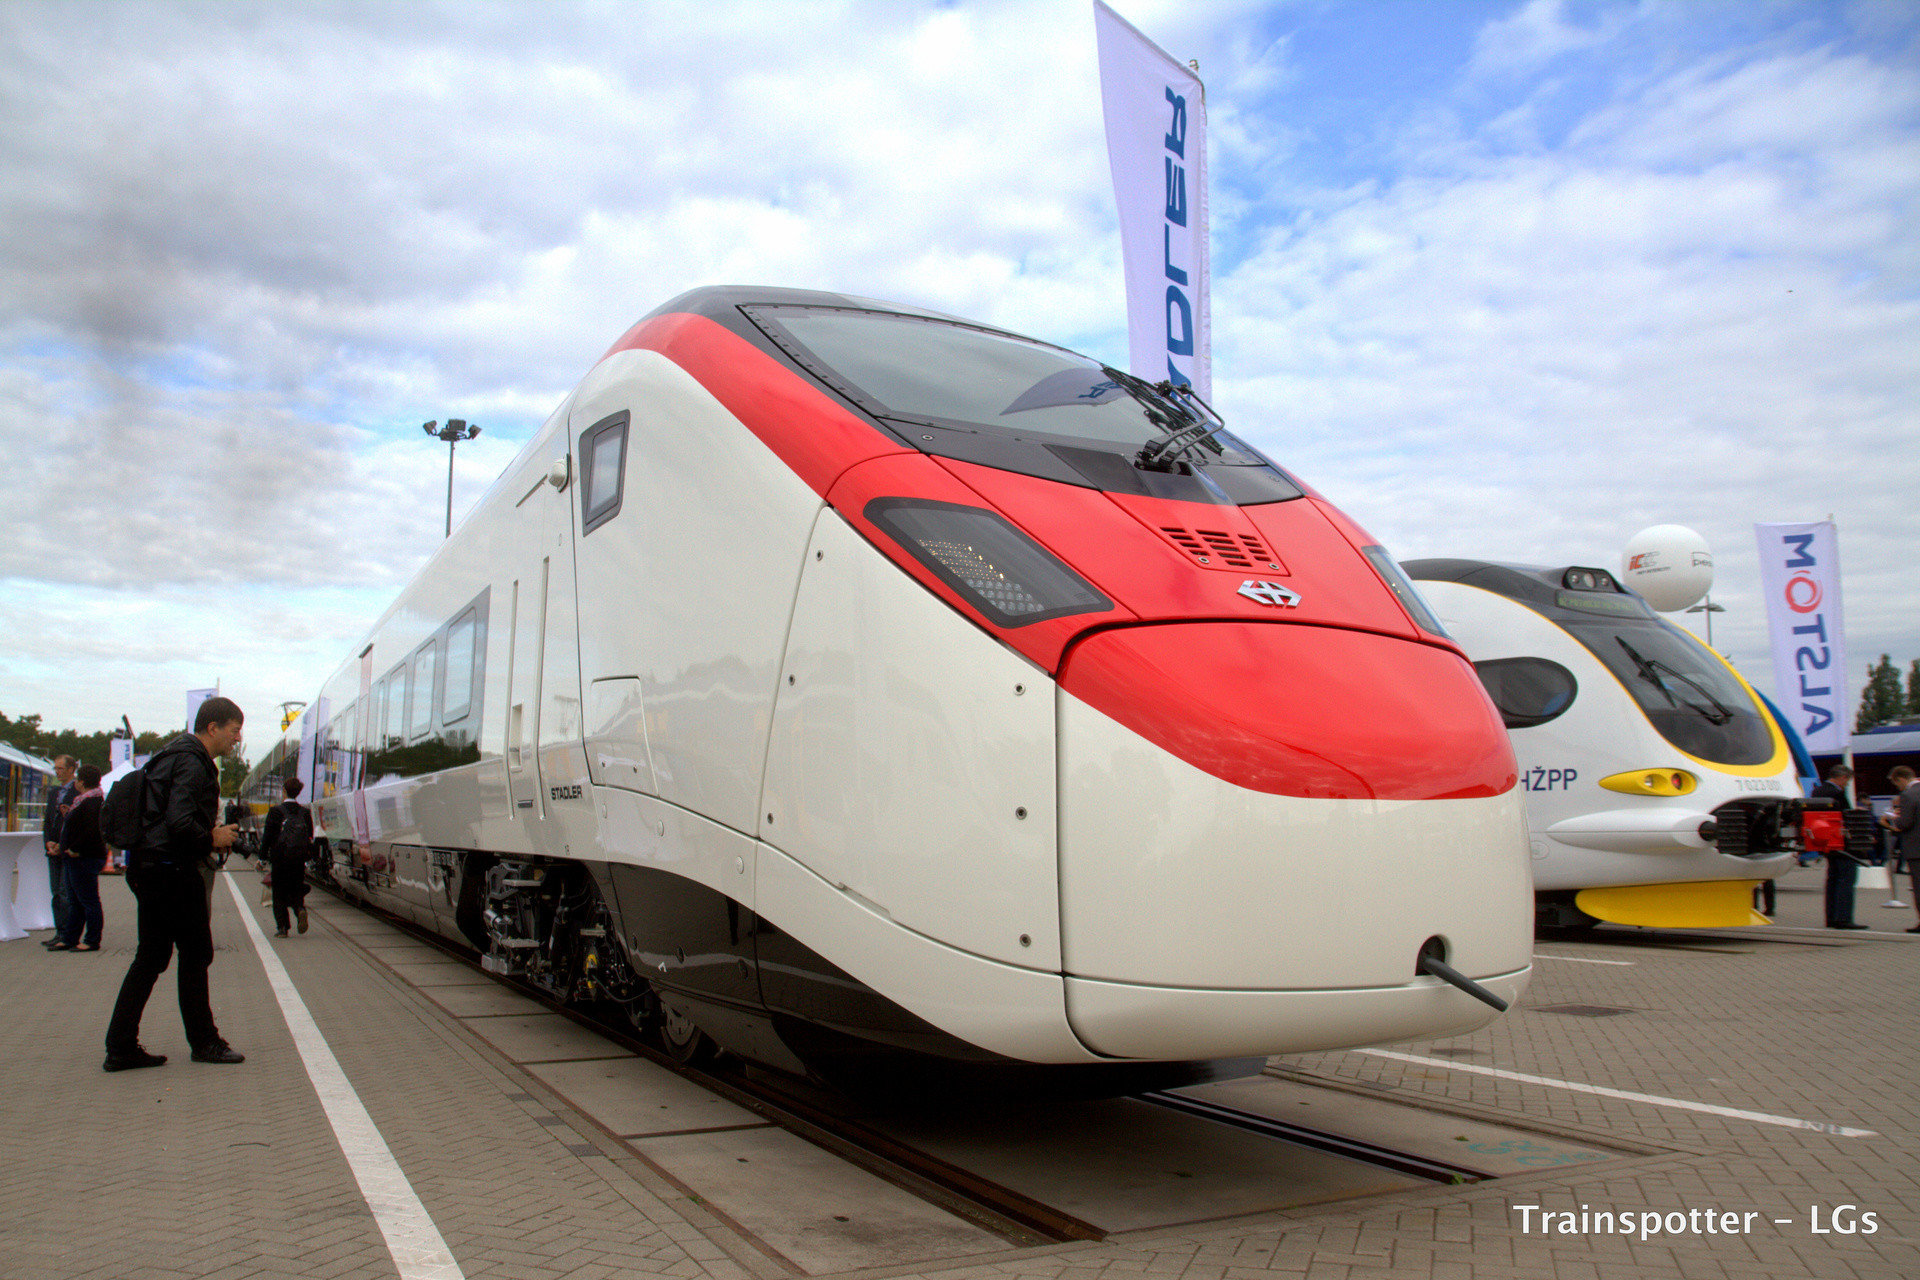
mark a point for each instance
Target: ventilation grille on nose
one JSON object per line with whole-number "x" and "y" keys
{"x": 1218, "y": 549}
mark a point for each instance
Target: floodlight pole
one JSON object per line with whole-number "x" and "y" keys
{"x": 453, "y": 433}
{"x": 1709, "y": 608}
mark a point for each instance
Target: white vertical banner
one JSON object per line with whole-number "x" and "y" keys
{"x": 1800, "y": 577}
{"x": 194, "y": 698}
{"x": 1156, "y": 118}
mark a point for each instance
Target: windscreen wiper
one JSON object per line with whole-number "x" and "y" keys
{"x": 1650, "y": 669}
{"x": 1721, "y": 712}
{"x": 1177, "y": 410}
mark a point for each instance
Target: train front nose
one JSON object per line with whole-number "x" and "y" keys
{"x": 1261, "y": 825}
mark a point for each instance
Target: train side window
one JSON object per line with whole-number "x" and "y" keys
{"x": 395, "y": 730}
{"x": 459, "y": 695}
{"x": 338, "y": 760}
{"x": 603, "y": 471}
{"x": 1528, "y": 691}
{"x": 369, "y": 729}
{"x": 422, "y": 719}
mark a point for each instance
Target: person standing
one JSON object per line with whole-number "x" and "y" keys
{"x": 178, "y": 835}
{"x": 1904, "y": 822}
{"x": 1843, "y": 873}
{"x": 287, "y": 843}
{"x": 52, "y": 819}
{"x": 85, "y": 853}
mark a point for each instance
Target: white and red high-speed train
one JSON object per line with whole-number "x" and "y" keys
{"x": 851, "y": 679}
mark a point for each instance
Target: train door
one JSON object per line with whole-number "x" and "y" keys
{"x": 528, "y": 624}
{"x": 546, "y": 763}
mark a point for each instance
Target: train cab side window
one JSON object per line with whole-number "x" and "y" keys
{"x": 422, "y": 719}
{"x": 1528, "y": 691}
{"x": 603, "y": 470}
{"x": 459, "y": 695}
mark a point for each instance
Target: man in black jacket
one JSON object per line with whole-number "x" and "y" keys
{"x": 1842, "y": 871}
{"x": 163, "y": 870}
{"x": 52, "y": 821}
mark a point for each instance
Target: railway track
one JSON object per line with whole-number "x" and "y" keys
{"x": 810, "y": 1113}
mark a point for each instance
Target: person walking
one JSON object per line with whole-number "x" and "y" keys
{"x": 83, "y": 854}
{"x": 52, "y": 819}
{"x": 287, "y": 843}
{"x": 177, "y": 838}
{"x": 1904, "y": 822}
{"x": 1843, "y": 873}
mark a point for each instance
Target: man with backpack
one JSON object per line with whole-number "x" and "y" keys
{"x": 287, "y": 843}
{"x": 177, "y": 837}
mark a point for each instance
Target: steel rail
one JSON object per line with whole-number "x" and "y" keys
{"x": 1320, "y": 1140}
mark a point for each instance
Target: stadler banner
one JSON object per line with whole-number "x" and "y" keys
{"x": 1157, "y": 146}
{"x": 1800, "y": 575}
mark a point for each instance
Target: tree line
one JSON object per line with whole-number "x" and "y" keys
{"x": 1884, "y": 700}
{"x": 27, "y": 734}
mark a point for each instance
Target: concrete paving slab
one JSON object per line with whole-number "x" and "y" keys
{"x": 635, "y": 1098}
{"x": 389, "y": 946}
{"x": 440, "y": 973}
{"x": 543, "y": 1037}
{"x": 1196, "y": 1170}
{"x": 489, "y": 1001}
{"x": 818, "y": 1212}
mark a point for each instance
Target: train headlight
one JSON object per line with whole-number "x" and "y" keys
{"x": 1011, "y": 579}
{"x": 1652, "y": 782}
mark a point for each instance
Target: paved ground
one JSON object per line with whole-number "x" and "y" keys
{"x": 235, "y": 1172}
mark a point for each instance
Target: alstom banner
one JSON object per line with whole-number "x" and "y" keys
{"x": 1800, "y": 576}
{"x": 1157, "y": 147}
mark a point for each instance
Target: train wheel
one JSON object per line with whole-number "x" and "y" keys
{"x": 686, "y": 1043}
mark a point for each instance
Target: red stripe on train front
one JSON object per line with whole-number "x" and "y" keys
{"x": 811, "y": 432}
{"x": 1318, "y": 712}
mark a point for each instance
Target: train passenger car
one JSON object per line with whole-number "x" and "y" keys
{"x": 1659, "y": 789}
{"x": 831, "y": 679}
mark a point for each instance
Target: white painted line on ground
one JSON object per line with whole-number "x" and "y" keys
{"x": 1759, "y": 1117}
{"x": 1541, "y": 955}
{"x": 418, "y": 1250}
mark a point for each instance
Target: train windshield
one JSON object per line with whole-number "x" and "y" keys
{"x": 1686, "y": 691}
{"x": 937, "y": 371}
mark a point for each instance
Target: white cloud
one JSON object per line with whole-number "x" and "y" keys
{"x": 1700, "y": 309}
{"x": 1536, "y": 34}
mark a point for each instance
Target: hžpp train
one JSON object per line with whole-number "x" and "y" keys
{"x": 833, "y": 679}
{"x": 1659, "y": 789}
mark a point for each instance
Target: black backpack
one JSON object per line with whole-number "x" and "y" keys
{"x": 123, "y": 814}
{"x": 296, "y": 832}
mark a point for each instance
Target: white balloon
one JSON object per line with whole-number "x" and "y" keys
{"x": 1670, "y": 565}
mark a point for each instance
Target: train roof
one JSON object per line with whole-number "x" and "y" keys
{"x": 1555, "y": 591}
{"x": 722, "y": 303}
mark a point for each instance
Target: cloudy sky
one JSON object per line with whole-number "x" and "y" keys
{"x": 1503, "y": 278}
